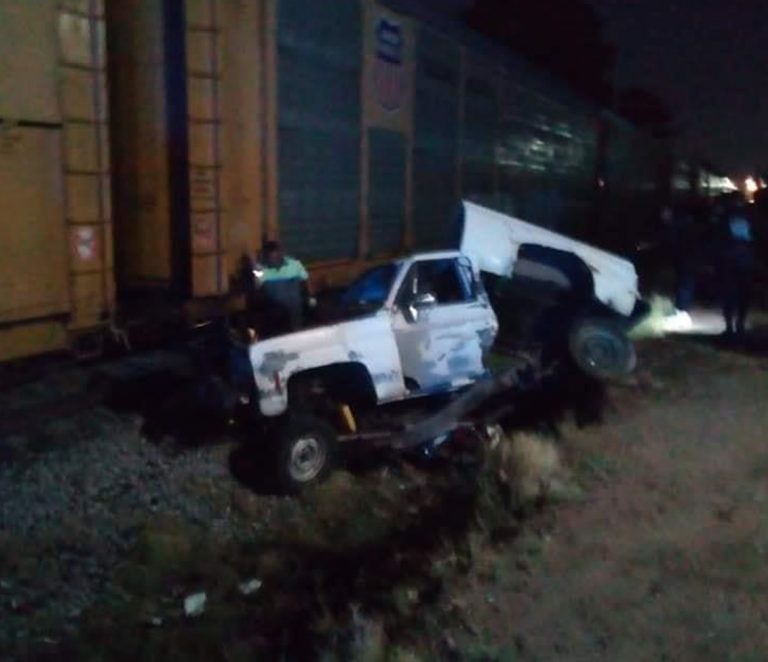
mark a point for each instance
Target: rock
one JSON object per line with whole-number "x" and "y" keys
{"x": 249, "y": 587}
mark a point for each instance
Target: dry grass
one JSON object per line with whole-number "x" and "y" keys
{"x": 530, "y": 467}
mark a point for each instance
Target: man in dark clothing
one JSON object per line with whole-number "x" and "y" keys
{"x": 737, "y": 268}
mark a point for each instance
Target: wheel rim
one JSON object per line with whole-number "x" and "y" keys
{"x": 307, "y": 458}
{"x": 602, "y": 353}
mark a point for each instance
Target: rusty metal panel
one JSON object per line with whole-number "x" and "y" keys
{"x": 201, "y": 98}
{"x": 77, "y": 94}
{"x": 33, "y": 338}
{"x": 109, "y": 255}
{"x": 106, "y": 196}
{"x": 86, "y": 163}
{"x": 82, "y": 6}
{"x": 75, "y": 38}
{"x": 202, "y": 56}
{"x": 29, "y": 57}
{"x": 87, "y": 299}
{"x": 205, "y": 275}
{"x": 199, "y": 13}
{"x": 83, "y": 204}
{"x": 202, "y": 144}
{"x": 81, "y": 147}
{"x": 33, "y": 231}
{"x": 243, "y": 111}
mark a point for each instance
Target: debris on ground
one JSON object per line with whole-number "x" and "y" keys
{"x": 194, "y": 605}
{"x": 250, "y": 587}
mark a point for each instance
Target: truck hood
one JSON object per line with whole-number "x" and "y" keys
{"x": 367, "y": 341}
{"x": 492, "y": 241}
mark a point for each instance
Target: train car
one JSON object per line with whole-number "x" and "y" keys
{"x": 56, "y": 283}
{"x": 634, "y": 180}
{"x": 350, "y": 130}
{"x": 351, "y": 136}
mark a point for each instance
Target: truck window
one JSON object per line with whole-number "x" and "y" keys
{"x": 443, "y": 278}
{"x": 372, "y": 288}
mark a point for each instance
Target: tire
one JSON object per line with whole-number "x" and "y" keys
{"x": 600, "y": 349}
{"x": 306, "y": 452}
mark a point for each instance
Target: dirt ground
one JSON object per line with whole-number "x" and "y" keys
{"x": 654, "y": 547}
{"x": 666, "y": 557}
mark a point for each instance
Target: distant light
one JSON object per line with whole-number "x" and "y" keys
{"x": 751, "y": 185}
{"x": 729, "y": 185}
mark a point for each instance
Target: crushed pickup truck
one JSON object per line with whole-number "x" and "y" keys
{"x": 418, "y": 330}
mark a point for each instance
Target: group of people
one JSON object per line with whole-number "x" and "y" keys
{"x": 723, "y": 241}
{"x": 279, "y": 295}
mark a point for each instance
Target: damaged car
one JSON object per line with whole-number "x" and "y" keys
{"x": 418, "y": 330}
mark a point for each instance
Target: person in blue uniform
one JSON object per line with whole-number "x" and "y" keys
{"x": 737, "y": 266}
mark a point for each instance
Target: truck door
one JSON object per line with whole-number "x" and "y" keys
{"x": 441, "y": 325}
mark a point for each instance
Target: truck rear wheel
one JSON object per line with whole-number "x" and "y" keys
{"x": 306, "y": 452}
{"x": 601, "y": 349}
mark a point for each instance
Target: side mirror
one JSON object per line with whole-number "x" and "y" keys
{"x": 421, "y": 302}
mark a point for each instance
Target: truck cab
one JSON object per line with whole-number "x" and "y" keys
{"x": 412, "y": 327}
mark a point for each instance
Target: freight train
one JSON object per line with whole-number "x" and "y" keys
{"x": 146, "y": 146}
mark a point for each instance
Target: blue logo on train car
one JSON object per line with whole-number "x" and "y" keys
{"x": 389, "y": 77}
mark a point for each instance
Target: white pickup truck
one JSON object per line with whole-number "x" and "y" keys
{"x": 414, "y": 327}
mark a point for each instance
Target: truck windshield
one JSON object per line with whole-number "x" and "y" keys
{"x": 370, "y": 290}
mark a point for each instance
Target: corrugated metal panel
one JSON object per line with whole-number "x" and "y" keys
{"x": 29, "y": 57}
{"x": 631, "y": 171}
{"x": 436, "y": 126}
{"x": 319, "y": 120}
{"x": 478, "y": 142}
{"x": 386, "y": 192}
{"x": 243, "y": 112}
{"x": 546, "y": 159}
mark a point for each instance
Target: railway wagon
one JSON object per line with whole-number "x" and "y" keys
{"x": 56, "y": 282}
{"x": 349, "y": 130}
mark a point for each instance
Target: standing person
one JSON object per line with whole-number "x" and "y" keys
{"x": 285, "y": 288}
{"x": 737, "y": 268}
{"x": 680, "y": 229}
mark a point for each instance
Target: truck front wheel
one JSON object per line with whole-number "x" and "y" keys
{"x": 306, "y": 452}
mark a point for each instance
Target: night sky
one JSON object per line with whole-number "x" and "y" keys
{"x": 707, "y": 59}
